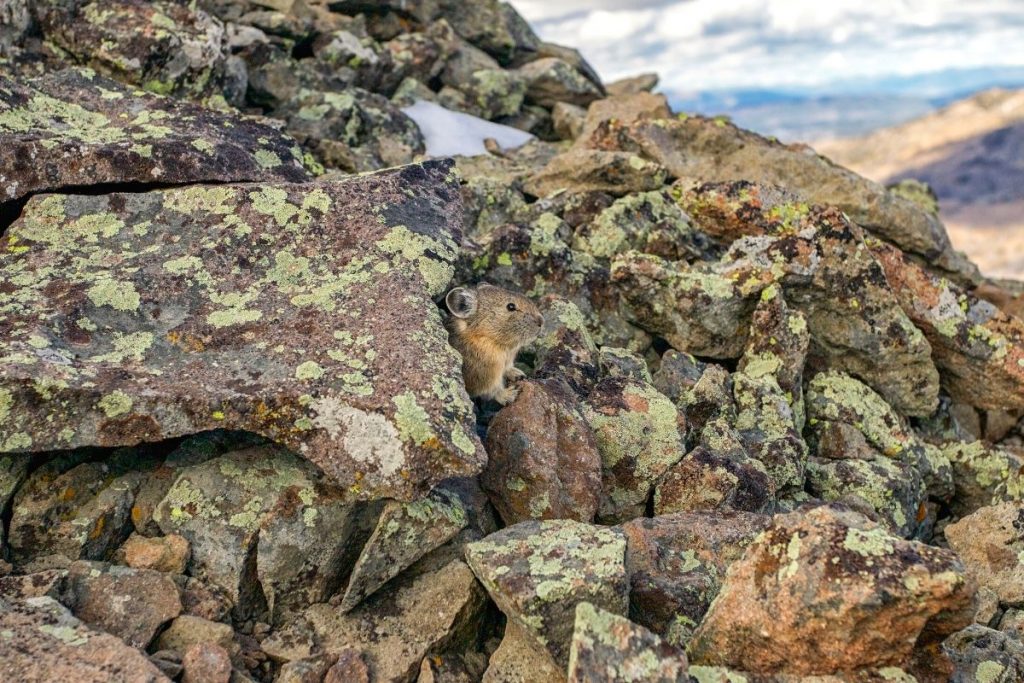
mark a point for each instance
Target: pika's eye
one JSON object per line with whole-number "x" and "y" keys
{"x": 511, "y": 306}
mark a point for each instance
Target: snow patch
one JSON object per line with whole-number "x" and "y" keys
{"x": 451, "y": 133}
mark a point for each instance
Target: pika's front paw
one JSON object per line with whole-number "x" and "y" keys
{"x": 514, "y": 374}
{"x": 507, "y": 395}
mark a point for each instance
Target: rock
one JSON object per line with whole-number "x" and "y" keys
{"x": 395, "y": 629}
{"x": 81, "y": 513}
{"x": 636, "y": 430}
{"x": 1012, "y": 623}
{"x": 677, "y": 374}
{"x": 616, "y": 112}
{"x": 132, "y": 604}
{"x": 650, "y": 222}
{"x": 567, "y": 120}
{"x": 617, "y": 173}
{"x": 573, "y": 58}
{"x": 717, "y": 475}
{"x": 168, "y": 661}
{"x": 353, "y": 130}
{"x": 262, "y": 526}
{"x": 187, "y": 631}
{"x": 550, "y": 81}
{"x": 161, "y": 46}
{"x": 42, "y": 642}
{"x": 978, "y": 348}
{"x": 163, "y": 553}
{"x": 714, "y": 150}
{"x": 676, "y": 564}
{"x": 309, "y": 670}
{"x": 206, "y": 663}
{"x": 492, "y": 26}
{"x": 338, "y": 388}
{"x": 521, "y": 659}
{"x": 405, "y": 532}
{"x": 13, "y": 471}
{"x": 73, "y": 128}
{"x": 825, "y": 591}
{"x": 543, "y": 461}
{"x": 990, "y": 541}
{"x": 816, "y": 257}
{"x": 564, "y": 351}
{"x": 767, "y": 390}
{"x": 617, "y": 362}
{"x": 631, "y": 85}
{"x": 982, "y": 654}
{"x": 350, "y": 668}
{"x": 608, "y": 648}
{"x": 50, "y": 583}
{"x": 984, "y": 475}
{"x": 537, "y": 572}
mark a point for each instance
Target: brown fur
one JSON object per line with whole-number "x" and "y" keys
{"x": 489, "y": 339}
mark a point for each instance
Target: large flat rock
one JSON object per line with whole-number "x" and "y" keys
{"x": 74, "y": 128}
{"x": 300, "y": 312}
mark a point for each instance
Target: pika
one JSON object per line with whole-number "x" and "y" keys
{"x": 488, "y": 326}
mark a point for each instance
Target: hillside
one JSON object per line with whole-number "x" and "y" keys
{"x": 764, "y": 424}
{"x": 972, "y": 155}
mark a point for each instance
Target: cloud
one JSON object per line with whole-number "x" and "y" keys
{"x": 699, "y": 45}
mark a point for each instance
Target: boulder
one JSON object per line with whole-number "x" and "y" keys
{"x": 163, "y": 553}
{"x": 981, "y": 654}
{"x": 73, "y": 128}
{"x": 990, "y": 541}
{"x": 550, "y": 80}
{"x": 393, "y": 630}
{"x": 537, "y": 572}
{"x": 42, "y": 643}
{"x": 714, "y": 150}
{"x": 609, "y": 648}
{"x": 816, "y": 258}
{"x": 676, "y": 564}
{"x": 984, "y": 475}
{"x": 630, "y": 85}
{"x": 132, "y": 604}
{"x": 353, "y": 130}
{"x": 825, "y": 591}
{"x": 520, "y": 658}
{"x": 543, "y": 461}
{"x": 173, "y": 337}
{"x": 618, "y": 173}
{"x": 262, "y": 526}
{"x": 187, "y": 631}
{"x": 161, "y": 46}
{"x": 404, "y": 533}
{"x": 206, "y": 663}
{"x": 636, "y": 430}
{"x": 978, "y": 348}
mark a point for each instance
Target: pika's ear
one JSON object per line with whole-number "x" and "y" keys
{"x": 461, "y": 302}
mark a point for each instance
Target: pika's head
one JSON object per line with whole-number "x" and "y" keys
{"x": 509, "y": 319}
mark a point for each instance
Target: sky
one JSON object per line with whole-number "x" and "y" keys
{"x": 930, "y": 48}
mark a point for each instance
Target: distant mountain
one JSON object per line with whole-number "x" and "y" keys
{"x": 972, "y": 154}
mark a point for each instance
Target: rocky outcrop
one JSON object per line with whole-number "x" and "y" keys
{"x": 142, "y": 338}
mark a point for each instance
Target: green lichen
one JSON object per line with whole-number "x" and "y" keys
{"x": 868, "y": 543}
{"x": 121, "y": 296}
{"x": 310, "y": 370}
{"x": 115, "y": 403}
{"x": 266, "y": 158}
{"x": 6, "y": 401}
{"x": 437, "y": 271}
{"x": 411, "y": 419}
{"x": 133, "y": 345}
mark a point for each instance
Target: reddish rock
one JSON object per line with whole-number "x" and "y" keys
{"x": 162, "y": 553}
{"x": 676, "y": 564}
{"x": 40, "y": 642}
{"x": 350, "y": 668}
{"x": 133, "y": 604}
{"x": 206, "y": 663}
{"x": 543, "y": 460}
{"x": 826, "y": 591}
{"x": 990, "y": 542}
